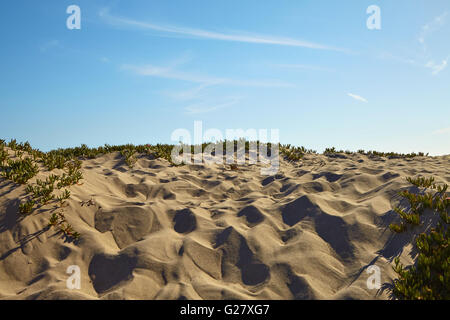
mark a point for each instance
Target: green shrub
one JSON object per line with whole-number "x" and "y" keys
{"x": 64, "y": 196}
{"x": 26, "y": 207}
{"x": 19, "y": 171}
{"x": 330, "y": 151}
{"x": 3, "y": 156}
{"x": 52, "y": 160}
{"x": 292, "y": 153}
{"x": 389, "y": 155}
{"x": 129, "y": 155}
{"x": 12, "y": 144}
{"x": 429, "y": 278}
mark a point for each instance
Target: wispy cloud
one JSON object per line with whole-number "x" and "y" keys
{"x": 190, "y": 94}
{"x": 212, "y": 35}
{"x": 425, "y": 58}
{"x": 390, "y": 56}
{"x": 171, "y": 73}
{"x": 429, "y": 28}
{"x": 301, "y": 67}
{"x": 356, "y": 97}
{"x": 430, "y": 64}
{"x": 436, "y": 68}
{"x": 432, "y": 26}
{"x": 442, "y": 131}
{"x": 49, "y": 45}
{"x": 206, "y": 107}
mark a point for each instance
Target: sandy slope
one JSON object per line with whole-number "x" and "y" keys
{"x": 162, "y": 232}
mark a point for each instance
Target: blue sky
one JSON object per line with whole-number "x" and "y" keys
{"x": 138, "y": 70}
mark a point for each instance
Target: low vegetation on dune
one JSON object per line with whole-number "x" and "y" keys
{"x": 24, "y": 165}
{"x": 292, "y": 153}
{"x": 429, "y": 278}
{"x": 390, "y": 155}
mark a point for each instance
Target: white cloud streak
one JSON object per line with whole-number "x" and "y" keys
{"x": 356, "y": 97}
{"x": 436, "y": 68}
{"x": 432, "y": 26}
{"x": 425, "y": 59}
{"x": 301, "y": 67}
{"x": 204, "y": 107}
{"x": 212, "y": 35}
{"x": 49, "y": 45}
{"x": 170, "y": 73}
{"x": 426, "y": 31}
{"x": 190, "y": 94}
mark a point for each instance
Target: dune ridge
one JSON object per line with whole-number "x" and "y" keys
{"x": 156, "y": 231}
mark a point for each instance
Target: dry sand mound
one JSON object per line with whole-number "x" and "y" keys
{"x": 208, "y": 232}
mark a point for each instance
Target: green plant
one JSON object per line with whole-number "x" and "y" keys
{"x": 23, "y": 169}
{"x": 69, "y": 179}
{"x": 163, "y": 151}
{"x": 26, "y": 207}
{"x": 12, "y": 144}
{"x": 56, "y": 218}
{"x": 292, "y": 153}
{"x": 330, "y": 150}
{"x": 19, "y": 154}
{"x": 389, "y": 155}
{"x": 37, "y": 155}
{"x": 19, "y": 171}
{"x": 3, "y": 156}
{"x": 64, "y": 196}
{"x": 53, "y": 221}
{"x": 129, "y": 156}
{"x": 53, "y": 160}
{"x": 69, "y": 232}
{"x": 42, "y": 192}
{"x": 429, "y": 278}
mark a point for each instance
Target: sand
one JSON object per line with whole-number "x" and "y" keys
{"x": 209, "y": 232}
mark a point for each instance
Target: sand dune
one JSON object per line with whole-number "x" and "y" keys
{"x": 209, "y": 232}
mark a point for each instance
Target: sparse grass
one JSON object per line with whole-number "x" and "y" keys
{"x": 429, "y": 278}
{"x": 63, "y": 197}
{"x": 58, "y": 220}
{"x": 129, "y": 155}
{"x": 331, "y": 151}
{"x": 19, "y": 154}
{"x": 24, "y": 167}
{"x": 19, "y": 171}
{"x": 43, "y": 192}
{"x": 163, "y": 151}
{"x": 27, "y": 207}
{"x": 292, "y": 153}
{"x": 69, "y": 232}
{"x": 55, "y": 219}
{"x": 390, "y": 155}
{"x": 53, "y": 160}
{"x": 69, "y": 179}
{"x": 3, "y": 156}
{"x": 12, "y": 144}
